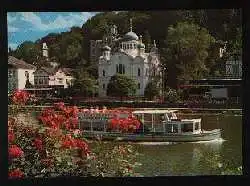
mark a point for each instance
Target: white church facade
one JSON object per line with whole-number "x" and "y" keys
{"x": 129, "y": 59}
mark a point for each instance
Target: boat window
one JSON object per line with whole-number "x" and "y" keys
{"x": 172, "y": 128}
{"x": 197, "y": 126}
{"x": 187, "y": 127}
{"x": 162, "y": 117}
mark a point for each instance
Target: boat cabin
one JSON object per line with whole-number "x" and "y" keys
{"x": 166, "y": 121}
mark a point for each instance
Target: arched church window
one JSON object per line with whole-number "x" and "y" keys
{"x": 139, "y": 72}
{"x": 120, "y": 68}
{"x": 103, "y": 86}
{"x": 123, "y": 69}
{"x": 139, "y": 85}
{"x": 131, "y": 47}
{"x": 103, "y": 72}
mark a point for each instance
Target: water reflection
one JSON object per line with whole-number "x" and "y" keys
{"x": 195, "y": 158}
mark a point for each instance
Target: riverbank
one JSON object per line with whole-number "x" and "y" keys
{"x": 34, "y": 108}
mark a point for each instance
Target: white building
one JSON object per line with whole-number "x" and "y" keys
{"x": 49, "y": 77}
{"x": 19, "y": 73}
{"x": 130, "y": 60}
{"x": 234, "y": 68}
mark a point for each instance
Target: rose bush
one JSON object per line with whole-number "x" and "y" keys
{"x": 56, "y": 147}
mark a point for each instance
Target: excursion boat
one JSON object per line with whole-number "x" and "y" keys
{"x": 155, "y": 126}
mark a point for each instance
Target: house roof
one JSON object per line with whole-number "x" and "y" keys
{"x": 67, "y": 71}
{"x": 17, "y": 63}
{"x": 52, "y": 71}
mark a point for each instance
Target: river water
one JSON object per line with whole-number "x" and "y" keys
{"x": 198, "y": 158}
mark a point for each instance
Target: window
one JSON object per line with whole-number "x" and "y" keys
{"x": 120, "y": 69}
{"x": 139, "y": 85}
{"x": 46, "y": 81}
{"x": 139, "y": 72}
{"x": 103, "y": 72}
{"x": 117, "y": 69}
{"x": 60, "y": 80}
{"x": 10, "y": 73}
{"x": 40, "y": 81}
{"x": 131, "y": 47}
{"x": 103, "y": 86}
{"x": 123, "y": 69}
{"x": 27, "y": 74}
{"x": 196, "y": 126}
{"x": 187, "y": 127}
{"x": 172, "y": 128}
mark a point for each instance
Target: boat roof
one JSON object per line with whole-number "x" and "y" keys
{"x": 153, "y": 111}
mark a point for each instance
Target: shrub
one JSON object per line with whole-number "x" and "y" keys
{"x": 55, "y": 147}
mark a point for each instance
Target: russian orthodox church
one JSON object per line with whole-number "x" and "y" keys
{"x": 126, "y": 55}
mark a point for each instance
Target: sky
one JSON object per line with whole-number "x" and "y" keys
{"x": 30, "y": 26}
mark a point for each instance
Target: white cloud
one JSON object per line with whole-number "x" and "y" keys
{"x": 61, "y": 22}
{"x": 13, "y": 46}
{"x": 11, "y": 19}
{"x": 12, "y": 29}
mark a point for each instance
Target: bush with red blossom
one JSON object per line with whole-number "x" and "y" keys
{"x": 129, "y": 124}
{"x": 16, "y": 173}
{"x": 20, "y": 97}
{"x": 55, "y": 147}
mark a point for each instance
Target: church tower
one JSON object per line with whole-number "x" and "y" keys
{"x": 45, "y": 51}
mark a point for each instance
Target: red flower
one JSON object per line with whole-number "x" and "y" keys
{"x": 74, "y": 122}
{"x": 59, "y": 106}
{"x": 38, "y": 144}
{"x": 82, "y": 145}
{"x": 16, "y": 173}
{"x": 68, "y": 142}
{"x": 75, "y": 111}
{"x": 11, "y": 136}
{"x": 20, "y": 97}
{"x": 15, "y": 151}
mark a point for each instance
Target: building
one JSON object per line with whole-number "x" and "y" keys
{"x": 110, "y": 38}
{"x": 234, "y": 68}
{"x": 20, "y": 74}
{"x": 215, "y": 88}
{"x": 127, "y": 55}
{"x": 49, "y": 77}
{"x": 45, "y": 77}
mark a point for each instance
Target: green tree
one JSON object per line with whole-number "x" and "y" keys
{"x": 187, "y": 50}
{"x": 152, "y": 90}
{"x": 171, "y": 95}
{"x": 120, "y": 85}
{"x": 147, "y": 40}
{"x": 28, "y": 51}
{"x": 84, "y": 84}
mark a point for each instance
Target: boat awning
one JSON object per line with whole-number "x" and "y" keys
{"x": 38, "y": 89}
{"x": 153, "y": 111}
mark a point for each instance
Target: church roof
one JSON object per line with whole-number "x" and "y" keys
{"x": 106, "y": 47}
{"x": 130, "y": 36}
{"x": 141, "y": 45}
